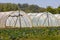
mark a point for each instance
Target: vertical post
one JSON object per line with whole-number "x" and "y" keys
{"x": 20, "y": 19}
{"x": 48, "y": 19}
{"x": 19, "y": 15}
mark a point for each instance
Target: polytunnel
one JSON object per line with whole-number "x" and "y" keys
{"x": 16, "y": 19}
{"x": 58, "y": 18}
{"x": 44, "y": 19}
{"x": 32, "y": 17}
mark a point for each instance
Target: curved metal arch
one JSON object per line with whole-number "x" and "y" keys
{"x": 15, "y": 22}
{"x": 2, "y": 20}
{"x": 29, "y": 19}
{"x": 39, "y": 18}
{"x": 25, "y": 21}
{"x": 35, "y": 19}
{"x": 12, "y": 13}
{"x": 11, "y": 20}
{"x": 58, "y": 20}
{"x": 55, "y": 19}
{"x": 8, "y": 17}
{"x": 46, "y": 14}
{"x": 32, "y": 20}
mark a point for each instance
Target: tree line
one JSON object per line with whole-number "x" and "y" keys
{"x": 28, "y": 8}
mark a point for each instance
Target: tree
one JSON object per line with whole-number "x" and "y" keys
{"x": 51, "y": 10}
{"x": 58, "y": 10}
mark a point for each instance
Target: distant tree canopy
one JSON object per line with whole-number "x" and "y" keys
{"x": 51, "y": 10}
{"x": 8, "y": 7}
{"x": 28, "y": 8}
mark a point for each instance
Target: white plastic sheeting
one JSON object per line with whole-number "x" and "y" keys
{"x": 44, "y": 19}
{"x": 21, "y": 19}
{"x": 15, "y": 19}
{"x": 3, "y": 17}
{"x": 58, "y": 18}
{"x": 32, "y": 15}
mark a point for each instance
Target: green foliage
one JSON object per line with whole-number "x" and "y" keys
{"x": 48, "y": 33}
{"x": 51, "y": 10}
{"x": 8, "y": 7}
{"x": 58, "y": 10}
{"x": 27, "y": 8}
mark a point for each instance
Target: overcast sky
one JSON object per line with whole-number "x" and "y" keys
{"x": 41, "y": 3}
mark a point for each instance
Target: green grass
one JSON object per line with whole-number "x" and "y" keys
{"x": 47, "y": 33}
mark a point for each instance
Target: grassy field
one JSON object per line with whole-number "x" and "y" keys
{"x": 48, "y": 33}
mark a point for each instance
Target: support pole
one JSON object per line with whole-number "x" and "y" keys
{"x": 19, "y": 15}
{"x": 48, "y": 19}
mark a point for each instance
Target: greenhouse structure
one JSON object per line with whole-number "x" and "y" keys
{"x": 44, "y": 19}
{"x": 19, "y": 19}
{"x": 58, "y": 18}
{"x": 15, "y": 19}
